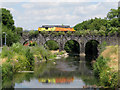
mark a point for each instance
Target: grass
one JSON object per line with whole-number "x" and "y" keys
{"x": 112, "y": 53}
{"x": 106, "y": 67}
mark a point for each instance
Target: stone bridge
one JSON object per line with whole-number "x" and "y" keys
{"x": 62, "y": 39}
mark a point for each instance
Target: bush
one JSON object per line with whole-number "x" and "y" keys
{"x": 52, "y": 45}
{"x": 7, "y": 52}
{"x": 61, "y": 33}
{"x": 33, "y": 33}
{"x": 69, "y": 33}
{"x": 7, "y": 70}
{"x": 30, "y": 59}
{"x": 99, "y": 65}
{"x": 106, "y": 76}
{"x": 17, "y": 47}
{"x": 40, "y": 50}
{"x": 102, "y": 46}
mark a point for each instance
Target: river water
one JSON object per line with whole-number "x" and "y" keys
{"x": 70, "y": 72}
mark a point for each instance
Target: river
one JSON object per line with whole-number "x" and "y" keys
{"x": 70, "y": 72}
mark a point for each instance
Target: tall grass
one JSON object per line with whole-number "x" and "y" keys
{"x": 106, "y": 68}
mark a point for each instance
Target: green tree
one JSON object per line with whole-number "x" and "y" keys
{"x": 11, "y": 37}
{"x": 92, "y": 24}
{"x": 52, "y": 45}
{"x": 19, "y": 30}
{"x": 112, "y": 14}
{"x": 7, "y": 26}
{"x": 72, "y": 47}
{"x": 7, "y": 18}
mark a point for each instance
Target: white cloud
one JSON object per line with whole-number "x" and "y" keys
{"x": 59, "y": 0}
{"x": 27, "y": 5}
{"x": 32, "y": 15}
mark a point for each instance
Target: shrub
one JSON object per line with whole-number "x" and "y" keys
{"x": 69, "y": 33}
{"x": 33, "y": 33}
{"x": 7, "y": 52}
{"x": 52, "y": 45}
{"x": 17, "y": 47}
{"x": 7, "y": 70}
{"x": 102, "y": 46}
{"x": 30, "y": 59}
{"x": 106, "y": 76}
{"x": 99, "y": 65}
{"x": 61, "y": 33}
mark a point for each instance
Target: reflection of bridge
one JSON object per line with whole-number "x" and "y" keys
{"x": 62, "y": 39}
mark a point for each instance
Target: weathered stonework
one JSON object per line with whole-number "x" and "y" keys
{"x": 82, "y": 40}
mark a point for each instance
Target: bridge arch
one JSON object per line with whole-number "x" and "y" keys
{"x": 51, "y": 44}
{"x": 72, "y": 46}
{"x": 91, "y": 49}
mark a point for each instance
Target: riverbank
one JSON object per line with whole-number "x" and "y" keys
{"x": 22, "y": 58}
{"x": 106, "y": 67}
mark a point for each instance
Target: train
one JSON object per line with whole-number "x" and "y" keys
{"x": 56, "y": 28}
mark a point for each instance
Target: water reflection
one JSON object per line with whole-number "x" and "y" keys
{"x": 63, "y": 73}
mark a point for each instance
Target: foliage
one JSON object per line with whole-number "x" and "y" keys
{"x": 11, "y": 37}
{"x": 99, "y": 65}
{"x": 30, "y": 59}
{"x": 12, "y": 33}
{"x": 112, "y": 14}
{"x": 6, "y": 52}
{"x": 41, "y": 52}
{"x": 61, "y": 33}
{"x": 19, "y": 57}
{"x": 102, "y": 47}
{"x": 106, "y": 26}
{"x": 7, "y": 18}
{"x": 102, "y": 71}
{"x": 92, "y": 24}
{"x": 33, "y": 33}
{"x": 7, "y": 70}
{"x": 72, "y": 47}
{"x": 44, "y": 33}
{"x": 19, "y": 30}
{"x": 52, "y": 45}
{"x": 69, "y": 33}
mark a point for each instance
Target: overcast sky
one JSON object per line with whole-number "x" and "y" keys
{"x": 31, "y": 15}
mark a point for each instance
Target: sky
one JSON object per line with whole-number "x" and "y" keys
{"x": 33, "y": 14}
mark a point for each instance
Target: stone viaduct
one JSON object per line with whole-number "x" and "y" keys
{"x": 62, "y": 39}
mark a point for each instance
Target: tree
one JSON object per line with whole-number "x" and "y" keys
{"x": 19, "y": 30}
{"x": 112, "y": 14}
{"x": 52, "y": 45}
{"x": 11, "y": 36}
{"x": 7, "y": 26}
{"x": 92, "y": 24}
{"x": 7, "y": 18}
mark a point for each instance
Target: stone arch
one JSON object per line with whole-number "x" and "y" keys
{"x": 77, "y": 47}
{"x": 51, "y": 40}
{"x": 91, "y": 49}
